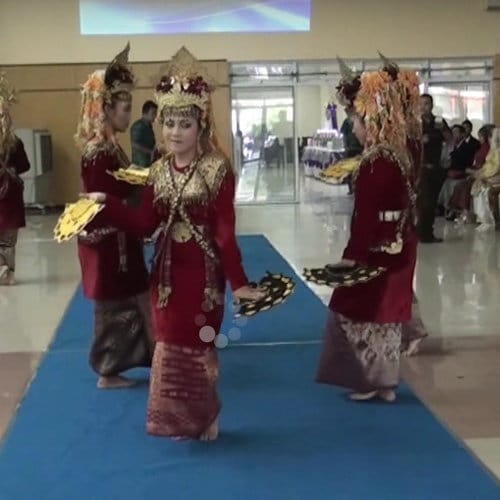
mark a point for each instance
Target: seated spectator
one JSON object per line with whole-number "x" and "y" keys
{"x": 459, "y": 162}
{"x": 461, "y": 200}
{"x": 448, "y": 146}
{"x": 486, "y": 187}
{"x": 472, "y": 143}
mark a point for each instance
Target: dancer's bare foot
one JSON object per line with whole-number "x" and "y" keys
{"x": 387, "y": 395}
{"x": 362, "y": 396}
{"x": 4, "y": 275}
{"x": 114, "y": 382}
{"x": 212, "y": 432}
{"x": 412, "y": 349}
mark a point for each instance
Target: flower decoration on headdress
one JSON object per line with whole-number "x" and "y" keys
{"x": 7, "y": 92}
{"x": 184, "y": 88}
{"x": 116, "y": 82}
{"x": 349, "y": 85}
{"x": 379, "y": 103}
{"x": 7, "y": 98}
{"x": 408, "y": 87}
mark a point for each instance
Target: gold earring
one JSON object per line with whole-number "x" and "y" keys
{"x": 199, "y": 147}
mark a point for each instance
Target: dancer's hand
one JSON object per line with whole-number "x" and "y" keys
{"x": 248, "y": 293}
{"x": 97, "y": 197}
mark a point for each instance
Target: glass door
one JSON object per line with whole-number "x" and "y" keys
{"x": 457, "y": 101}
{"x": 263, "y": 124}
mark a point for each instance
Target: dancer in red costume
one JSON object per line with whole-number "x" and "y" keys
{"x": 13, "y": 162}
{"x": 114, "y": 273}
{"x": 189, "y": 204}
{"x": 408, "y": 84}
{"x": 361, "y": 350}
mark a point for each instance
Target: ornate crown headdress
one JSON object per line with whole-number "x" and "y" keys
{"x": 118, "y": 76}
{"x": 408, "y": 87}
{"x": 349, "y": 84}
{"x": 184, "y": 86}
{"x": 102, "y": 86}
{"x": 7, "y": 92}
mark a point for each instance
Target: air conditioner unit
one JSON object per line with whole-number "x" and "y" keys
{"x": 37, "y": 180}
{"x": 492, "y": 4}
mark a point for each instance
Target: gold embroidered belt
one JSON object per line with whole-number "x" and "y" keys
{"x": 181, "y": 232}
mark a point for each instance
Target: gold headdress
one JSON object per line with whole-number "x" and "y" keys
{"x": 349, "y": 84}
{"x": 185, "y": 90}
{"x": 7, "y": 98}
{"x": 184, "y": 86}
{"x": 408, "y": 87}
{"x": 116, "y": 82}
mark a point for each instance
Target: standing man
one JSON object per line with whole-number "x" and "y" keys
{"x": 143, "y": 137}
{"x": 352, "y": 146}
{"x": 347, "y": 89}
{"x": 431, "y": 178}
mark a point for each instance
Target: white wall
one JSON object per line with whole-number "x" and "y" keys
{"x": 311, "y": 101}
{"x": 309, "y": 105}
{"x": 47, "y": 31}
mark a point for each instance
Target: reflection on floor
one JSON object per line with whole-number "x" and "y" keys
{"x": 457, "y": 284}
{"x": 261, "y": 183}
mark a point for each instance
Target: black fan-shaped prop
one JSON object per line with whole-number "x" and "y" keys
{"x": 338, "y": 276}
{"x": 278, "y": 288}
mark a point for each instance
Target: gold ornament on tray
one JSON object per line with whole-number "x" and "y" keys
{"x": 334, "y": 277}
{"x": 340, "y": 170}
{"x": 132, "y": 175}
{"x": 75, "y": 218}
{"x": 278, "y": 288}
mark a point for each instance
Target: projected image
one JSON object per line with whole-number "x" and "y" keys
{"x": 132, "y": 17}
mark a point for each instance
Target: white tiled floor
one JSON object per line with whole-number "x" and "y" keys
{"x": 48, "y": 274}
{"x": 488, "y": 451}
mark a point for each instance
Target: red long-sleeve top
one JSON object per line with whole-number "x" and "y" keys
{"x": 104, "y": 276}
{"x": 380, "y": 188}
{"x": 176, "y": 322}
{"x": 12, "y": 187}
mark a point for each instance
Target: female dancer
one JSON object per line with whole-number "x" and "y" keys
{"x": 114, "y": 273}
{"x": 361, "y": 349}
{"x": 408, "y": 84}
{"x": 13, "y": 162}
{"x": 189, "y": 203}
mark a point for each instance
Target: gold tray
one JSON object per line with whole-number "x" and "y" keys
{"x": 132, "y": 175}
{"x": 75, "y": 218}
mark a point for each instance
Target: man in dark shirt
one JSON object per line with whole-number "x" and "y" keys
{"x": 352, "y": 146}
{"x": 471, "y": 143}
{"x": 460, "y": 158}
{"x": 432, "y": 175}
{"x": 143, "y": 136}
